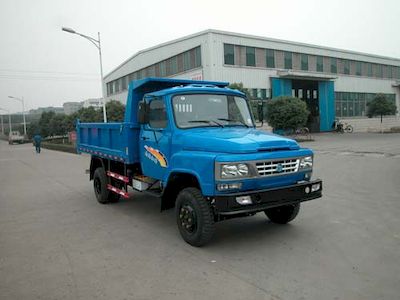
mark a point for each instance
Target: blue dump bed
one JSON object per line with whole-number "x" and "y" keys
{"x": 116, "y": 141}
{"x": 120, "y": 141}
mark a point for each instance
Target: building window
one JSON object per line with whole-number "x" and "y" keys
{"x": 358, "y": 68}
{"x": 389, "y": 72}
{"x": 140, "y": 74}
{"x": 320, "y": 64}
{"x": 116, "y": 86}
{"x": 379, "y": 72}
{"x": 350, "y": 104}
{"x": 174, "y": 65}
{"x": 250, "y": 56}
{"x": 124, "y": 84}
{"x": 346, "y": 66}
{"x": 229, "y": 54}
{"x": 163, "y": 69}
{"x": 288, "y": 60}
{"x": 197, "y": 59}
{"x": 304, "y": 62}
{"x": 131, "y": 77}
{"x": 333, "y": 65}
{"x": 270, "y": 58}
{"x": 263, "y": 93}
{"x": 186, "y": 61}
{"x": 109, "y": 89}
{"x": 369, "y": 70}
{"x": 151, "y": 72}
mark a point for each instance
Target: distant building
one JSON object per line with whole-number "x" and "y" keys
{"x": 71, "y": 107}
{"x": 94, "y": 102}
{"x": 40, "y": 110}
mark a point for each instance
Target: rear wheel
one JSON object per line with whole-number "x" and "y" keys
{"x": 194, "y": 217}
{"x": 103, "y": 195}
{"x": 283, "y": 214}
{"x": 349, "y": 129}
{"x": 304, "y": 131}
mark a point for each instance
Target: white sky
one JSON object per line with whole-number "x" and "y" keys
{"x": 48, "y": 67}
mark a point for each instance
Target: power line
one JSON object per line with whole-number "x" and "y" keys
{"x": 21, "y": 77}
{"x": 46, "y": 72}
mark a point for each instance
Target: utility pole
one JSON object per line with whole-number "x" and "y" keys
{"x": 97, "y": 44}
{"x": 23, "y": 110}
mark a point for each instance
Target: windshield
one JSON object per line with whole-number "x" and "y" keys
{"x": 203, "y": 110}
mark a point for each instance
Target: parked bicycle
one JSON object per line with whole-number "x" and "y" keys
{"x": 342, "y": 127}
{"x": 302, "y": 131}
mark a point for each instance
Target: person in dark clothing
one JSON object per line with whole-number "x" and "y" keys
{"x": 37, "y": 139}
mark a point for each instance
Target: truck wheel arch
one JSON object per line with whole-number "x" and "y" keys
{"x": 95, "y": 163}
{"x": 176, "y": 182}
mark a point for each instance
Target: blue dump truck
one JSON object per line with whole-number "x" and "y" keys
{"x": 194, "y": 144}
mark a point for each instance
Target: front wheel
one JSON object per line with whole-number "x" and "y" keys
{"x": 283, "y": 214}
{"x": 194, "y": 217}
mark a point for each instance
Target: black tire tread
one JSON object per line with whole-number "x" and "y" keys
{"x": 105, "y": 196}
{"x": 208, "y": 228}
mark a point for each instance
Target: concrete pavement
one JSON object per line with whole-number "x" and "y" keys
{"x": 57, "y": 242}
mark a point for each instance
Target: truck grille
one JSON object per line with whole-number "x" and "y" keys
{"x": 277, "y": 167}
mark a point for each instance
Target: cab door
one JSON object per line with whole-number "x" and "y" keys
{"x": 155, "y": 139}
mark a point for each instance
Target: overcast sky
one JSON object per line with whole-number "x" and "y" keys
{"x": 48, "y": 67}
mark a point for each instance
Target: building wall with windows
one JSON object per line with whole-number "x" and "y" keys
{"x": 258, "y": 61}
{"x": 181, "y": 58}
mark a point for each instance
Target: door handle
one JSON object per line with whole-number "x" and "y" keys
{"x": 145, "y": 138}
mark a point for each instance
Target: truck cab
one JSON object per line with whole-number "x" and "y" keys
{"x": 196, "y": 146}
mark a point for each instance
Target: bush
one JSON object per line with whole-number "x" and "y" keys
{"x": 287, "y": 113}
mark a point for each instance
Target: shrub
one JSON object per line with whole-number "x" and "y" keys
{"x": 286, "y": 112}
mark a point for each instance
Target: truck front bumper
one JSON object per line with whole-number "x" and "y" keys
{"x": 226, "y": 205}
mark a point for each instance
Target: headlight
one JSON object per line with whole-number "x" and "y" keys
{"x": 306, "y": 162}
{"x": 234, "y": 170}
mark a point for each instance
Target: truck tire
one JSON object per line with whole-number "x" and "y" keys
{"x": 194, "y": 217}
{"x": 283, "y": 214}
{"x": 100, "y": 186}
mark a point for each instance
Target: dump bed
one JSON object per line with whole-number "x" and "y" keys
{"x": 116, "y": 141}
{"x": 120, "y": 141}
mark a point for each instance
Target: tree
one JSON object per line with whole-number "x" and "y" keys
{"x": 44, "y": 123}
{"x": 239, "y": 86}
{"x": 58, "y": 125}
{"x": 115, "y": 111}
{"x": 380, "y": 106}
{"x": 33, "y": 128}
{"x": 286, "y": 112}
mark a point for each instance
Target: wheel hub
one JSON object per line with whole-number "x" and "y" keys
{"x": 97, "y": 186}
{"x": 187, "y": 218}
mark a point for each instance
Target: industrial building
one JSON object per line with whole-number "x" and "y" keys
{"x": 334, "y": 83}
{"x": 71, "y": 107}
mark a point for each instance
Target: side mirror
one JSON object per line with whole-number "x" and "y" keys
{"x": 143, "y": 116}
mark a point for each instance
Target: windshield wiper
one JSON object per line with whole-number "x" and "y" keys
{"x": 206, "y": 121}
{"x": 231, "y": 120}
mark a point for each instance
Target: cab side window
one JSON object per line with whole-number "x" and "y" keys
{"x": 157, "y": 114}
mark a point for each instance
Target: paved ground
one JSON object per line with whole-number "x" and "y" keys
{"x": 56, "y": 242}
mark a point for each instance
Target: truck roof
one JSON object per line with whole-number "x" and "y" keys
{"x": 197, "y": 89}
{"x": 161, "y": 86}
